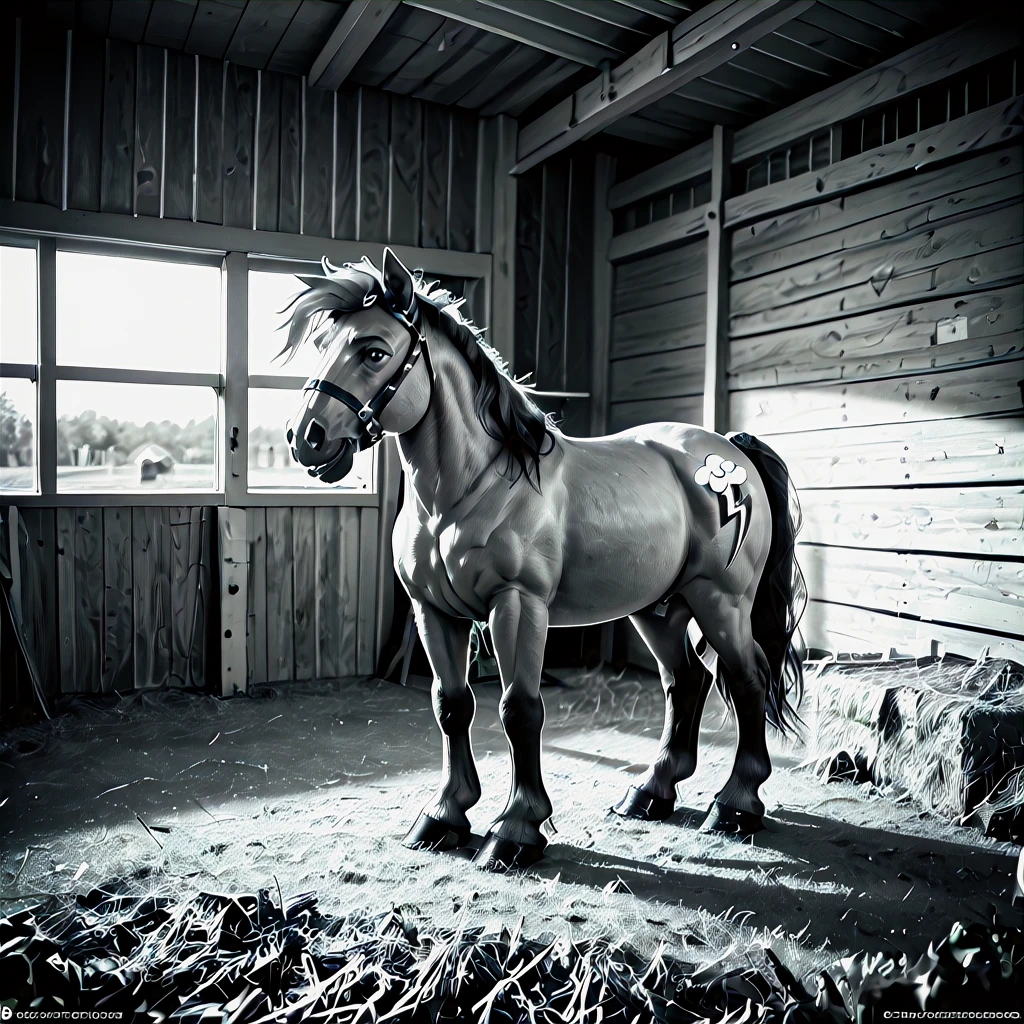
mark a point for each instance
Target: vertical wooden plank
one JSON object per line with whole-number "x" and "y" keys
{"x": 436, "y": 154}
{"x": 239, "y": 142}
{"x": 66, "y": 599}
{"x": 530, "y": 216}
{"x": 304, "y": 588}
{"x": 180, "y": 153}
{"x": 552, "y": 276}
{"x": 346, "y": 171}
{"x": 210, "y": 141}
{"x": 716, "y": 350}
{"x": 503, "y": 266}
{"x": 290, "y": 201}
{"x": 329, "y": 584}
{"x": 268, "y": 152}
{"x": 149, "y": 131}
{"x": 88, "y": 598}
{"x": 151, "y": 613}
{"x": 487, "y": 148}
{"x": 40, "y": 146}
{"x": 601, "y": 284}
{"x": 256, "y": 533}
{"x": 197, "y": 594}
{"x": 350, "y": 569}
{"x": 578, "y": 330}
{"x": 406, "y": 156}
{"x": 374, "y": 117}
{"x": 10, "y": 43}
{"x": 39, "y": 568}
{"x": 365, "y": 596}
{"x": 118, "y": 152}
{"x": 234, "y": 588}
{"x": 181, "y": 583}
{"x": 318, "y": 162}
{"x": 463, "y": 181}
{"x": 280, "y": 637}
{"x": 118, "y": 634}
{"x": 85, "y": 122}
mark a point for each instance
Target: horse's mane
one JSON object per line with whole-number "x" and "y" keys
{"x": 502, "y": 404}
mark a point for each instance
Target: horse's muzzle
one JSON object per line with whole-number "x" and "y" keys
{"x": 336, "y": 468}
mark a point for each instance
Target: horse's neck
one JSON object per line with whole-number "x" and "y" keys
{"x": 448, "y": 450}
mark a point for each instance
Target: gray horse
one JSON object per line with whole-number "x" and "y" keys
{"x": 509, "y": 521}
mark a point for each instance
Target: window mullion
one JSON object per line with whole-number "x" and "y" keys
{"x": 236, "y": 381}
{"x": 46, "y": 451}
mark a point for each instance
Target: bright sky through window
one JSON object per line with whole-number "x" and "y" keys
{"x": 18, "y": 304}
{"x": 269, "y": 294}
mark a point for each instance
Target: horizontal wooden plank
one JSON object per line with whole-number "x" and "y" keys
{"x": 953, "y": 520}
{"x": 896, "y": 400}
{"x": 980, "y": 450}
{"x": 789, "y": 238}
{"x": 867, "y": 274}
{"x": 964, "y": 47}
{"x": 976, "y": 593}
{"x": 659, "y": 234}
{"x": 664, "y": 277}
{"x": 622, "y": 415}
{"x": 984, "y": 129}
{"x": 986, "y": 327}
{"x": 671, "y": 325}
{"x": 691, "y": 164}
{"x": 659, "y": 375}
{"x": 845, "y": 630}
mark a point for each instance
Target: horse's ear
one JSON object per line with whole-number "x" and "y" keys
{"x": 399, "y": 285}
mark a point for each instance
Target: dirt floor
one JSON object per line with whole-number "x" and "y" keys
{"x": 312, "y": 788}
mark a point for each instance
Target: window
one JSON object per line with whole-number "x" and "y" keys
{"x": 19, "y": 348}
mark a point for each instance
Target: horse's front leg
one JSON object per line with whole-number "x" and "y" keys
{"x": 442, "y": 824}
{"x": 519, "y": 626}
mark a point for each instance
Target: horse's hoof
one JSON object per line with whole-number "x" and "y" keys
{"x": 430, "y": 834}
{"x": 500, "y": 854}
{"x": 638, "y": 803}
{"x": 729, "y": 821}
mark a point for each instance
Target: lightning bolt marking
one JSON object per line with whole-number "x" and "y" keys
{"x": 733, "y": 505}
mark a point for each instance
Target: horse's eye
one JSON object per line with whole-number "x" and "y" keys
{"x": 376, "y": 356}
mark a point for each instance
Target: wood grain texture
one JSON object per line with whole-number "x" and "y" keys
{"x": 39, "y": 560}
{"x": 239, "y": 144}
{"x": 199, "y": 595}
{"x": 405, "y": 185}
{"x": 290, "y": 183}
{"x": 660, "y": 234}
{"x": 268, "y": 152}
{"x": 233, "y": 575}
{"x": 349, "y": 574}
{"x": 147, "y": 182}
{"x": 374, "y": 158}
{"x": 9, "y": 46}
{"x": 330, "y": 581}
{"x": 462, "y": 204}
{"x": 672, "y": 374}
{"x": 85, "y": 122}
{"x": 951, "y": 394}
{"x": 151, "y": 559}
{"x": 884, "y": 343}
{"x": 436, "y": 167}
{"x": 258, "y": 626}
{"x": 210, "y": 142}
{"x": 318, "y": 163}
{"x": 88, "y": 609}
{"x": 180, "y": 142}
{"x": 978, "y": 593}
{"x": 529, "y": 227}
{"x": 665, "y": 277}
{"x": 671, "y": 325}
{"x": 362, "y": 599}
{"x": 551, "y": 324}
{"x": 66, "y": 604}
{"x": 622, "y": 415}
{"x": 280, "y": 607}
{"x": 118, "y": 144}
{"x": 39, "y": 174}
{"x": 952, "y": 520}
{"x": 179, "y": 522}
{"x": 118, "y": 633}
{"x": 304, "y": 581}
{"x": 346, "y": 175}
{"x": 983, "y": 450}
{"x": 579, "y": 332}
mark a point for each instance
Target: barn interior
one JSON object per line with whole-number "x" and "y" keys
{"x": 796, "y": 218}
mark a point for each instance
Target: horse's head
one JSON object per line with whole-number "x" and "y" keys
{"x": 372, "y": 378}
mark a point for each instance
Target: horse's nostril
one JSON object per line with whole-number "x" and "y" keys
{"x": 290, "y": 436}
{"x": 315, "y": 435}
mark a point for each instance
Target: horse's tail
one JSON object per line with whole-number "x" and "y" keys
{"x": 781, "y": 594}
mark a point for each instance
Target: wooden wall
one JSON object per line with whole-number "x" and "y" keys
{"x": 111, "y": 126}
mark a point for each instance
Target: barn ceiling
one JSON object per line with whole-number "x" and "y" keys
{"x": 522, "y": 56}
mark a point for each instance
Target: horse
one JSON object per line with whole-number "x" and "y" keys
{"x": 509, "y": 521}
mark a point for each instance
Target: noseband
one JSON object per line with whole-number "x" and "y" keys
{"x": 369, "y": 412}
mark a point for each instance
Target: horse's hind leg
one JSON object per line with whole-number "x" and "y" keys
{"x": 725, "y": 621}
{"x": 686, "y": 683}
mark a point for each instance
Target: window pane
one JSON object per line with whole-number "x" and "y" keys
{"x": 135, "y": 437}
{"x": 17, "y": 434}
{"x": 271, "y": 466}
{"x": 138, "y": 314}
{"x": 269, "y": 295}
{"x": 19, "y": 301}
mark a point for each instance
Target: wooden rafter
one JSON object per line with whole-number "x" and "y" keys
{"x": 361, "y": 23}
{"x": 695, "y": 46}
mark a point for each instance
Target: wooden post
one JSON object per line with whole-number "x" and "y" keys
{"x": 46, "y": 448}
{"x": 236, "y": 380}
{"x": 501, "y": 333}
{"x": 233, "y": 559}
{"x": 716, "y": 349}
{"x": 604, "y": 177}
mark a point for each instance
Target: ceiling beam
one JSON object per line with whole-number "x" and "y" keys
{"x": 361, "y": 23}
{"x": 504, "y": 21}
{"x": 702, "y": 42}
